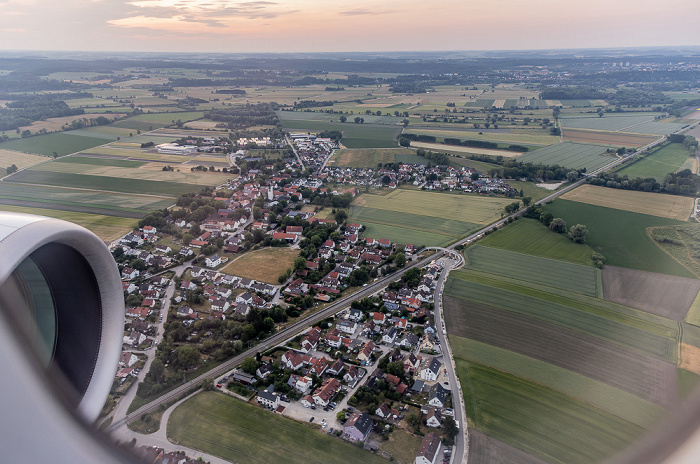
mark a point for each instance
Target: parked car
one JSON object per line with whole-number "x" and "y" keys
{"x": 312, "y": 419}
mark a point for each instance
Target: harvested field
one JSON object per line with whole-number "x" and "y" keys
{"x": 540, "y": 421}
{"x": 659, "y": 294}
{"x": 559, "y": 274}
{"x": 654, "y": 204}
{"x": 612, "y": 139}
{"x": 570, "y": 155}
{"x": 461, "y": 149}
{"x": 19, "y": 159}
{"x": 487, "y": 450}
{"x": 689, "y": 358}
{"x": 618, "y": 366}
{"x": 264, "y": 265}
{"x": 532, "y": 237}
{"x": 56, "y": 124}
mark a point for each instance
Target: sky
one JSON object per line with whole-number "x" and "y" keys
{"x": 235, "y": 26}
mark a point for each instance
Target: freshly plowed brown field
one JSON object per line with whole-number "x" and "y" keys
{"x": 617, "y": 139}
{"x": 615, "y": 365}
{"x": 660, "y": 294}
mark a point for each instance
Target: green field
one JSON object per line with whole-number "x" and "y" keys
{"x": 234, "y": 430}
{"x": 354, "y": 135}
{"x": 60, "y": 142}
{"x": 598, "y": 318}
{"x": 658, "y": 163}
{"x": 424, "y": 218}
{"x": 559, "y": 274}
{"x": 609, "y": 122}
{"x": 532, "y": 237}
{"x": 104, "y": 183}
{"x": 620, "y": 236}
{"x": 570, "y": 155}
{"x": 539, "y": 420}
{"x": 371, "y": 157}
{"x": 84, "y": 198}
{"x": 613, "y": 400}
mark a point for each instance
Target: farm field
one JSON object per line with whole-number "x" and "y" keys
{"x": 445, "y": 217}
{"x": 151, "y": 171}
{"x": 365, "y": 135}
{"x": 117, "y": 184}
{"x": 653, "y": 204}
{"x": 62, "y": 143}
{"x": 658, "y": 163}
{"x": 232, "y": 429}
{"x": 617, "y": 366}
{"x": 620, "y": 236}
{"x": 611, "y": 139}
{"x": 540, "y": 421}
{"x": 56, "y": 124}
{"x": 487, "y": 450}
{"x": 84, "y": 198}
{"x": 439, "y": 147}
{"x": 534, "y": 136}
{"x": 530, "y": 189}
{"x": 371, "y": 157}
{"x": 264, "y": 265}
{"x": 609, "y": 122}
{"x": 534, "y": 238}
{"x": 613, "y": 400}
{"x": 108, "y": 228}
{"x": 624, "y": 327}
{"x": 660, "y": 294}
{"x": 682, "y": 243}
{"x": 559, "y": 274}
{"x": 570, "y": 155}
{"x": 19, "y": 159}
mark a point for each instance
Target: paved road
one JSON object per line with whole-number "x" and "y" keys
{"x": 294, "y": 149}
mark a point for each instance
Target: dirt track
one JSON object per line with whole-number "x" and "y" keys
{"x": 659, "y": 294}
{"x": 615, "y": 365}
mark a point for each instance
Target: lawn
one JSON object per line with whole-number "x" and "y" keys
{"x": 613, "y": 400}
{"x": 559, "y": 274}
{"x": 621, "y": 236}
{"x": 264, "y": 265}
{"x": 63, "y": 143}
{"x": 424, "y": 218}
{"x": 234, "y": 430}
{"x": 539, "y": 420}
{"x": 658, "y": 163}
{"x": 654, "y": 204}
{"x": 371, "y": 157}
{"x": 570, "y": 155}
{"x": 402, "y": 446}
{"x": 21, "y": 160}
{"x": 104, "y": 183}
{"x": 531, "y": 237}
{"x": 108, "y": 228}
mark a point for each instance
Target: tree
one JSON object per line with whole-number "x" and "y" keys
{"x": 340, "y": 416}
{"x": 527, "y": 201}
{"x": 340, "y": 216}
{"x": 404, "y": 142}
{"x": 157, "y": 371}
{"x": 449, "y": 427}
{"x": 188, "y": 356}
{"x": 343, "y": 119}
{"x": 11, "y": 169}
{"x": 413, "y": 420}
{"x": 557, "y": 225}
{"x": 208, "y": 384}
{"x": 400, "y": 259}
{"x": 249, "y": 365}
{"x": 299, "y": 263}
{"x": 578, "y": 233}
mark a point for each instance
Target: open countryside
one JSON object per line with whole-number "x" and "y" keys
{"x": 654, "y": 204}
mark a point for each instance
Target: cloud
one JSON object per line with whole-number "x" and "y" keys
{"x": 362, "y": 12}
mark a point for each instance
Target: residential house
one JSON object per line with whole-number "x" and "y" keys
{"x": 433, "y": 417}
{"x": 379, "y": 318}
{"x": 264, "y": 370}
{"x": 366, "y": 352}
{"x": 431, "y": 372}
{"x": 358, "y": 426}
{"x": 325, "y": 393}
{"x": 411, "y": 363}
{"x": 351, "y": 376}
{"x": 268, "y": 398}
{"x": 348, "y": 327}
{"x": 437, "y": 396}
{"x": 128, "y": 359}
{"x": 336, "y": 368}
{"x": 390, "y": 336}
{"x": 129, "y": 273}
{"x": 429, "y": 449}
